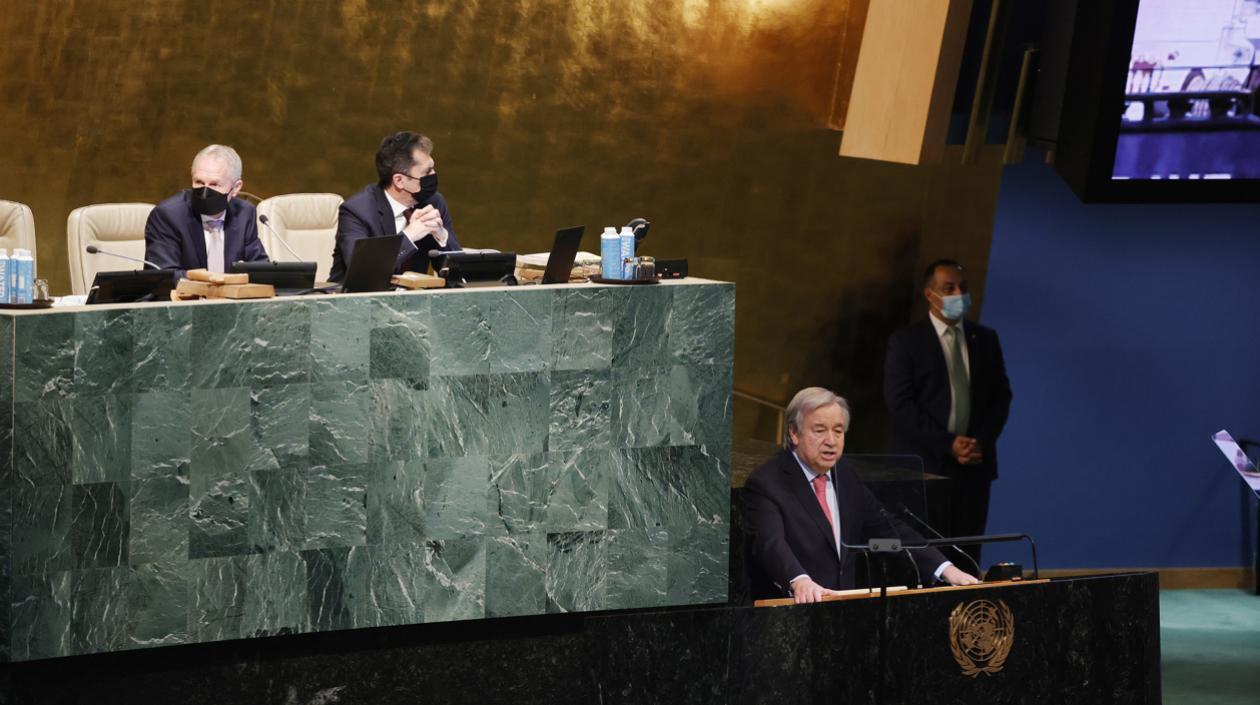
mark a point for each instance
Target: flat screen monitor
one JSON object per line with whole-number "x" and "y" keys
{"x": 281, "y": 275}
{"x": 132, "y": 286}
{"x": 463, "y": 269}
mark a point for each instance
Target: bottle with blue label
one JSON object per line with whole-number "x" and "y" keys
{"x": 22, "y": 281}
{"x": 610, "y": 254}
{"x": 627, "y": 252}
{"x": 4, "y": 276}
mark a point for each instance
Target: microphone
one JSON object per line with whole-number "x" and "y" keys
{"x": 640, "y": 228}
{"x": 94, "y": 250}
{"x": 901, "y": 507}
{"x": 267, "y": 222}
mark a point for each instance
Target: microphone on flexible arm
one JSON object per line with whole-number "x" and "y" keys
{"x": 888, "y": 519}
{"x": 901, "y": 507}
{"x": 640, "y": 228}
{"x": 267, "y": 222}
{"x": 94, "y": 250}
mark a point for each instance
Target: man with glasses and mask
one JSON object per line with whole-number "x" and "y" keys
{"x": 946, "y": 388}
{"x": 207, "y": 226}
{"x": 404, "y": 201}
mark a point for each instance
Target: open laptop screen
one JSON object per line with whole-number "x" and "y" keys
{"x": 1238, "y": 459}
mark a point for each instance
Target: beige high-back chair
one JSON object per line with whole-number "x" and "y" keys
{"x": 307, "y": 222}
{"x": 115, "y": 227}
{"x": 17, "y": 227}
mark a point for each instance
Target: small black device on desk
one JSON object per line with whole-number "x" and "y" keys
{"x": 288, "y": 276}
{"x": 132, "y": 286}
{"x": 469, "y": 269}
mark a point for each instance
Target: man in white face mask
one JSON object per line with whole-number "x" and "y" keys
{"x": 946, "y": 388}
{"x": 206, "y": 226}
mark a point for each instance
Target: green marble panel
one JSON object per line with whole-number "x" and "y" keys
{"x": 398, "y": 408}
{"x": 458, "y": 421}
{"x": 101, "y": 447}
{"x": 455, "y": 491}
{"x": 159, "y": 518}
{"x": 43, "y": 362}
{"x": 6, "y": 539}
{"x": 518, "y": 412}
{"x": 223, "y": 438}
{"x": 277, "y": 509}
{"x": 99, "y": 532}
{"x": 638, "y": 567}
{"x": 455, "y": 580}
{"x": 550, "y": 492}
{"x": 161, "y": 435}
{"x": 219, "y": 512}
{"x": 581, "y": 410}
{"x": 103, "y": 360}
{"x": 275, "y": 600}
{"x": 390, "y": 584}
{"x": 6, "y": 410}
{"x": 698, "y": 564}
{"x": 640, "y": 407}
{"x": 460, "y": 334}
{"x": 520, "y": 329}
{"x": 516, "y": 575}
{"x": 335, "y": 512}
{"x": 255, "y": 344}
{"x": 217, "y": 589}
{"x": 340, "y": 337}
{"x": 641, "y": 323}
{"x": 42, "y": 519}
{"x": 395, "y": 503}
{"x": 699, "y": 406}
{"x": 281, "y": 432}
{"x": 43, "y": 442}
{"x": 41, "y": 612}
{"x": 339, "y": 423}
{"x": 329, "y": 589}
{"x": 702, "y": 324}
{"x": 158, "y": 604}
{"x": 399, "y": 341}
{"x": 577, "y": 572}
{"x": 161, "y": 354}
{"x": 667, "y": 487}
{"x": 581, "y": 329}
{"x": 98, "y": 610}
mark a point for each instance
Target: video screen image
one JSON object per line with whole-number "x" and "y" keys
{"x": 1190, "y": 97}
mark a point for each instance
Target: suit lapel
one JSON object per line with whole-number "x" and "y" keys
{"x": 804, "y": 494}
{"x": 233, "y": 237}
{"x": 195, "y": 233}
{"x": 974, "y": 362}
{"x": 384, "y": 213}
{"x": 936, "y": 353}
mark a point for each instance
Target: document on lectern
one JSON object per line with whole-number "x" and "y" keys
{"x": 1234, "y": 453}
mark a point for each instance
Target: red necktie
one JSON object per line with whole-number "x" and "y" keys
{"x": 820, "y": 491}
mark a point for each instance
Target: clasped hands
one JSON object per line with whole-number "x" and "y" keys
{"x": 966, "y": 450}
{"x": 424, "y": 221}
{"x": 805, "y": 590}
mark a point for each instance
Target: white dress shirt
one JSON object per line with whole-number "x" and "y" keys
{"x": 948, "y": 348}
{"x": 214, "y": 242}
{"x": 441, "y": 235}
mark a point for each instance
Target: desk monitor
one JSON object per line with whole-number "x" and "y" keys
{"x": 1234, "y": 453}
{"x": 563, "y": 252}
{"x": 372, "y": 264}
{"x": 463, "y": 269}
{"x": 281, "y": 275}
{"x": 132, "y": 286}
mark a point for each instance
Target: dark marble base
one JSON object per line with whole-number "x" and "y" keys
{"x": 1088, "y": 640}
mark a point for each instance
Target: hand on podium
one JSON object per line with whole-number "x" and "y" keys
{"x": 805, "y": 590}
{"x": 954, "y": 576}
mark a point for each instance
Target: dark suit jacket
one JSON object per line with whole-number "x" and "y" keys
{"x": 789, "y": 534}
{"x": 174, "y": 239}
{"x": 367, "y": 214}
{"x": 917, "y": 391}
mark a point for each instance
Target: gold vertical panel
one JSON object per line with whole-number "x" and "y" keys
{"x": 709, "y": 117}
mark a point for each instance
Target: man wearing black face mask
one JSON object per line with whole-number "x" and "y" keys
{"x": 205, "y": 226}
{"x": 405, "y": 201}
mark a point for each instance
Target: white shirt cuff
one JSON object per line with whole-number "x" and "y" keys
{"x": 941, "y": 569}
{"x": 441, "y": 236}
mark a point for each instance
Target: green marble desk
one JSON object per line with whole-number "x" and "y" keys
{"x": 193, "y": 472}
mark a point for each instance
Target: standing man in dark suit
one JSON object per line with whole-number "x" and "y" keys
{"x": 801, "y": 508}
{"x": 404, "y": 201}
{"x": 945, "y": 385}
{"x": 207, "y": 226}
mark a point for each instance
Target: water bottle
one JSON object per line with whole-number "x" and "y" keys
{"x": 4, "y": 276}
{"x": 627, "y": 252}
{"x": 610, "y": 254}
{"x": 24, "y": 281}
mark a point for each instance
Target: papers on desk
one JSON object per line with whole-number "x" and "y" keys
{"x": 70, "y": 300}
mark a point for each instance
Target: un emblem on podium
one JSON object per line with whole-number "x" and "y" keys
{"x": 980, "y": 636}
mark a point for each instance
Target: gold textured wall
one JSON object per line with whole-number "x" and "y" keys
{"x": 710, "y": 117}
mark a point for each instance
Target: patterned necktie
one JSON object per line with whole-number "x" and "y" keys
{"x": 958, "y": 382}
{"x": 820, "y": 491}
{"x": 406, "y": 216}
{"x": 214, "y": 248}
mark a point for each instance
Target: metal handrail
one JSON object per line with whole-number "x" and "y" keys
{"x": 778, "y": 409}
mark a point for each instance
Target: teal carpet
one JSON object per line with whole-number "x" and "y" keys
{"x": 1210, "y": 641}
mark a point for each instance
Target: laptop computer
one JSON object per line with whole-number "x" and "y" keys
{"x": 563, "y": 251}
{"x": 131, "y": 286}
{"x": 372, "y": 264}
{"x": 1234, "y": 453}
{"x": 287, "y": 276}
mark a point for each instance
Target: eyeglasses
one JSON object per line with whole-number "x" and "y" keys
{"x": 417, "y": 178}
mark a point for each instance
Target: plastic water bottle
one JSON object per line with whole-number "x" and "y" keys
{"x": 610, "y": 254}
{"x": 627, "y": 252}
{"x": 4, "y": 276}
{"x": 23, "y": 283}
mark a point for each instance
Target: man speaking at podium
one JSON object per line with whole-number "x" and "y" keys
{"x": 404, "y": 200}
{"x": 801, "y": 508}
{"x": 207, "y": 226}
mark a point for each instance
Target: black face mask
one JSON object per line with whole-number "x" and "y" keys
{"x": 207, "y": 201}
{"x": 428, "y": 187}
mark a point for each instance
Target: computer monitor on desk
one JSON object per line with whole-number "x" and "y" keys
{"x": 462, "y": 269}
{"x": 287, "y": 276}
{"x": 132, "y": 286}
